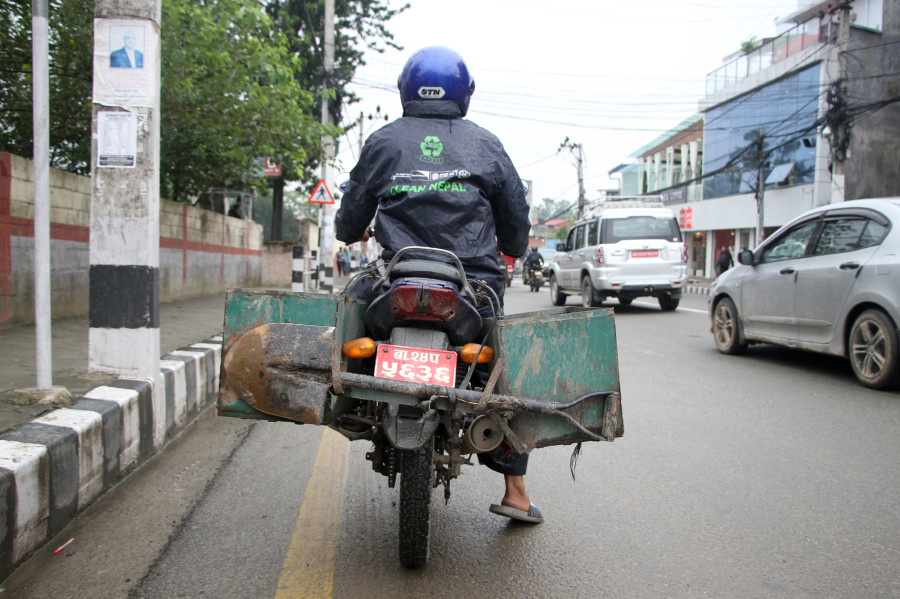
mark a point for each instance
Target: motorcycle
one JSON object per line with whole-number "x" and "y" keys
{"x": 416, "y": 371}
{"x": 534, "y": 278}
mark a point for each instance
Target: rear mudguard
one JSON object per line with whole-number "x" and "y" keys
{"x": 408, "y": 427}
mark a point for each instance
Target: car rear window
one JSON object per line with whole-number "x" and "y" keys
{"x": 640, "y": 227}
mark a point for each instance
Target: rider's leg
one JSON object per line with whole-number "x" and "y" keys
{"x": 515, "y": 495}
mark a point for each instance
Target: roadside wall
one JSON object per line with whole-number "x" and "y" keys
{"x": 201, "y": 252}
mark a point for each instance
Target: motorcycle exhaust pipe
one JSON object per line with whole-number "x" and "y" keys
{"x": 481, "y": 436}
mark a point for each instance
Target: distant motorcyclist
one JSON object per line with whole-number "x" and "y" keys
{"x": 432, "y": 178}
{"x": 534, "y": 261}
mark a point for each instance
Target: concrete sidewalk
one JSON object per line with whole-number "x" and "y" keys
{"x": 181, "y": 323}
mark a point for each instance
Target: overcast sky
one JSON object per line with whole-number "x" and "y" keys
{"x": 611, "y": 76}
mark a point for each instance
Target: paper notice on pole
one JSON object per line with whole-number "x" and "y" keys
{"x": 126, "y": 59}
{"x": 116, "y": 139}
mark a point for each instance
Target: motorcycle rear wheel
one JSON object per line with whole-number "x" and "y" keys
{"x": 416, "y": 472}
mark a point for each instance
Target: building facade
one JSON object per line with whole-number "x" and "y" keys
{"x": 807, "y": 118}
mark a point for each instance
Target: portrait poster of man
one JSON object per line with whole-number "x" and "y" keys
{"x": 130, "y": 55}
{"x": 126, "y": 62}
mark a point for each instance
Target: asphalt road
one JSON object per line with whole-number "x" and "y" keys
{"x": 767, "y": 475}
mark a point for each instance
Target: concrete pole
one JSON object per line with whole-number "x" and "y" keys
{"x": 326, "y": 256}
{"x": 838, "y": 178}
{"x": 124, "y": 230}
{"x": 580, "y": 159}
{"x": 41, "y": 119}
{"x": 760, "y": 190}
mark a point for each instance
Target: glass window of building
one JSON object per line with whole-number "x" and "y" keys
{"x": 785, "y": 112}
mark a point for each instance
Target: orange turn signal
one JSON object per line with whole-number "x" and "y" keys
{"x": 472, "y": 351}
{"x": 359, "y": 348}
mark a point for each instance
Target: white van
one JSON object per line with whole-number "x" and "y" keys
{"x": 622, "y": 252}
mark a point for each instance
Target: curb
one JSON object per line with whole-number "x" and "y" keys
{"x": 55, "y": 466}
{"x": 699, "y": 290}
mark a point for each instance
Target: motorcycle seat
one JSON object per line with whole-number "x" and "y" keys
{"x": 428, "y": 269}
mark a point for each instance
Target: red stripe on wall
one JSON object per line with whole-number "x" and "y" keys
{"x": 23, "y": 227}
{"x": 5, "y": 236}
{"x": 196, "y": 246}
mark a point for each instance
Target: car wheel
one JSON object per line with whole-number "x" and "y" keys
{"x": 727, "y": 328}
{"x": 873, "y": 350}
{"x": 667, "y": 303}
{"x": 625, "y": 301}
{"x": 588, "y": 298}
{"x": 556, "y": 296}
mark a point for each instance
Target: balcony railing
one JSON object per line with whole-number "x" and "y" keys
{"x": 795, "y": 40}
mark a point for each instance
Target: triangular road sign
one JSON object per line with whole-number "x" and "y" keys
{"x": 321, "y": 195}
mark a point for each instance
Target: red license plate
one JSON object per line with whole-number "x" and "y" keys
{"x": 416, "y": 365}
{"x": 644, "y": 253}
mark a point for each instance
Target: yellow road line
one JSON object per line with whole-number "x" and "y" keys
{"x": 308, "y": 569}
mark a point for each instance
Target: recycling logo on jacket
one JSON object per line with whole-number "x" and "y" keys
{"x": 431, "y": 150}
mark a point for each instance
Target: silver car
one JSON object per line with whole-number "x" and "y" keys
{"x": 622, "y": 252}
{"x": 828, "y": 281}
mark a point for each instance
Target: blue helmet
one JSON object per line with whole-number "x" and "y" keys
{"x": 436, "y": 73}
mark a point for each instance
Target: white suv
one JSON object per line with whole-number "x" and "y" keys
{"x": 623, "y": 253}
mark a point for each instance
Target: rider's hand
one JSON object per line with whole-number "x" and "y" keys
{"x": 365, "y": 236}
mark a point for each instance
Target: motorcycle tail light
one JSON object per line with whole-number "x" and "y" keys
{"x": 359, "y": 348}
{"x": 600, "y": 258}
{"x": 421, "y": 301}
{"x": 475, "y": 351}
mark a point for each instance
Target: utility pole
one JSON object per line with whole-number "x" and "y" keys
{"x": 41, "y": 121}
{"x": 840, "y": 135}
{"x": 577, "y": 151}
{"x": 123, "y": 337}
{"x": 760, "y": 187}
{"x": 326, "y": 211}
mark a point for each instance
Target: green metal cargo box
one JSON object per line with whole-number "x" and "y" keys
{"x": 553, "y": 356}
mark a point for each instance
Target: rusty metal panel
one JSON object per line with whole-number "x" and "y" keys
{"x": 559, "y": 355}
{"x": 247, "y": 309}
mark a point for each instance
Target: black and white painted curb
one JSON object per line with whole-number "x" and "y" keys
{"x": 52, "y": 468}
{"x": 698, "y": 289}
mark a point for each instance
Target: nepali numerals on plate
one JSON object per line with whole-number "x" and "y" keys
{"x": 415, "y": 364}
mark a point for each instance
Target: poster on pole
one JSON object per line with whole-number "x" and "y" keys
{"x": 126, "y": 55}
{"x": 321, "y": 194}
{"x": 116, "y": 139}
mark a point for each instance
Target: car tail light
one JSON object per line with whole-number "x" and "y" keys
{"x": 684, "y": 254}
{"x": 601, "y": 260}
{"x": 420, "y": 301}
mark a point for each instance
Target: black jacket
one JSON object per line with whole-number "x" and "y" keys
{"x": 438, "y": 180}
{"x": 534, "y": 260}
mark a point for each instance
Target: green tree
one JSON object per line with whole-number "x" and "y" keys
{"x": 70, "y": 41}
{"x": 262, "y": 213}
{"x": 236, "y": 87}
{"x": 360, "y": 25}
{"x": 229, "y": 97}
{"x": 551, "y": 209}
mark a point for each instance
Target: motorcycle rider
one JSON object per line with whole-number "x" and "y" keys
{"x": 534, "y": 261}
{"x": 432, "y": 178}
